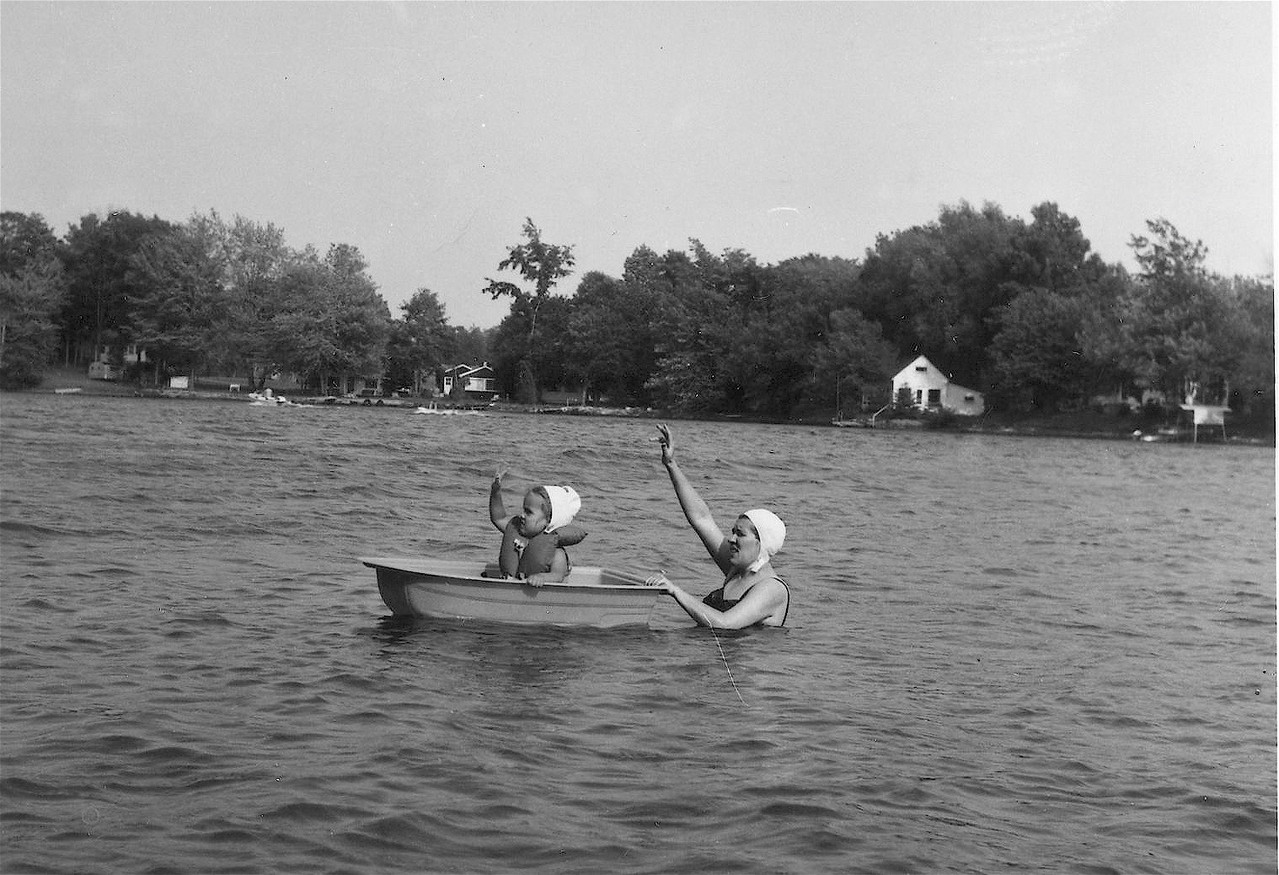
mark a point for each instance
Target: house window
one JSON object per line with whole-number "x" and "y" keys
{"x": 919, "y": 396}
{"x": 934, "y": 397}
{"x": 970, "y": 397}
{"x": 923, "y": 369}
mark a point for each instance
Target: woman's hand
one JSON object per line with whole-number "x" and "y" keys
{"x": 668, "y": 444}
{"x": 661, "y": 582}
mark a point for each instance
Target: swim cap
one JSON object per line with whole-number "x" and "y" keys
{"x": 771, "y": 531}
{"x": 565, "y": 503}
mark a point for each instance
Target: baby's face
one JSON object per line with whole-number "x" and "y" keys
{"x": 535, "y": 518}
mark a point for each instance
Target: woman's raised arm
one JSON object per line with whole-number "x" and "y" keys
{"x": 696, "y": 511}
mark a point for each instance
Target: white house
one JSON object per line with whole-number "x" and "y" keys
{"x": 930, "y": 389}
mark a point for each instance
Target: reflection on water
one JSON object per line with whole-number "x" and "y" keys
{"x": 1002, "y": 653}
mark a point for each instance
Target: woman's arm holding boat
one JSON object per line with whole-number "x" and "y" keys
{"x": 758, "y": 604}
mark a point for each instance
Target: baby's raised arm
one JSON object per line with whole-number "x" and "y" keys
{"x": 497, "y": 509}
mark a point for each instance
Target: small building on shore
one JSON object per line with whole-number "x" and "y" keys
{"x": 476, "y": 382}
{"x": 111, "y": 367}
{"x": 923, "y": 386}
{"x": 1208, "y": 416}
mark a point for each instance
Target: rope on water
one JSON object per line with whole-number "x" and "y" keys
{"x": 720, "y": 648}
{"x": 715, "y": 635}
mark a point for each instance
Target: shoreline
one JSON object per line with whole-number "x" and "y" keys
{"x": 70, "y": 382}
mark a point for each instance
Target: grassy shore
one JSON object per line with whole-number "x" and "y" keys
{"x": 77, "y": 378}
{"x": 1083, "y": 423}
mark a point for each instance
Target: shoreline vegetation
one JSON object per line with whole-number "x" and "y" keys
{"x": 1079, "y": 424}
{"x": 1018, "y": 314}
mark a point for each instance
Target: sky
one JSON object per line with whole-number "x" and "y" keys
{"x": 425, "y": 133}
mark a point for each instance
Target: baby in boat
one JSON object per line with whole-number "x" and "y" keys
{"x": 533, "y": 541}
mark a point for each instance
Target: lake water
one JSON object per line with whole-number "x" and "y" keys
{"x": 1003, "y": 654}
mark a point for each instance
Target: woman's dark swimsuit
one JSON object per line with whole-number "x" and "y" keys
{"x": 717, "y": 601}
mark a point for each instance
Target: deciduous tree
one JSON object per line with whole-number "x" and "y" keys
{"x": 26, "y": 240}
{"x": 28, "y": 300}
{"x": 421, "y": 342}
{"x": 1168, "y": 326}
{"x": 332, "y": 321}
{"x": 98, "y": 262}
{"x": 177, "y": 299}
{"x": 609, "y": 348}
{"x": 32, "y": 288}
{"x": 1037, "y": 359}
{"x": 541, "y": 264}
{"x": 854, "y": 360}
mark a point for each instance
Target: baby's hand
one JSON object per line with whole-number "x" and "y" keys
{"x": 500, "y": 473}
{"x": 535, "y": 580}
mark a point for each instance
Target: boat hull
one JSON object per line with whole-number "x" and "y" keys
{"x": 442, "y": 589}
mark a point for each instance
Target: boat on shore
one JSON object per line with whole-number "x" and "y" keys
{"x": 589, "y": 597}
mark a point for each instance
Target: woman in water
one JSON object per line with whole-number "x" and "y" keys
{"x": 752, "y": 594}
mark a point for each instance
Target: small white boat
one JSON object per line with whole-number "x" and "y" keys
{"x": 447, "y": 411}
{"x": 268, "y": 399}
{"x": 445, "y": 589}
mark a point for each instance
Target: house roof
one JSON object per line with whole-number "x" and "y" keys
{"x": 903, "y": 362}
{"x": 950, "y": 380}
{"x": 468, "y": 370}
{"x": 910, "y": 361}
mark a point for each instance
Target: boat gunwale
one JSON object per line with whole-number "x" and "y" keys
{"x": 405, "y": 565}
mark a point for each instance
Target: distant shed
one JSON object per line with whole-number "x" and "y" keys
{"x": 1209, "y": 416}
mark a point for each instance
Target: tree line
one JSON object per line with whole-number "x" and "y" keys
{"x": 207, "y": 296}
{"x": 1021, "y": 310}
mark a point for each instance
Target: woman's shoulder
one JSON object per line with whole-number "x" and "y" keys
{"x": 770, "y": 584}
{"x": 764, "y": 580}
{"x": 771, "y": 593}
{"x": 779, "y": 591}
{"x": 773, "y": 581}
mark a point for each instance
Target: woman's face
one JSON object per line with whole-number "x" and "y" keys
{"x": 535, "y": 517}
{"x": 743, "y": 543}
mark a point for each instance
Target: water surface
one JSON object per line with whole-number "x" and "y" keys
{"x": 1003, "y": 653}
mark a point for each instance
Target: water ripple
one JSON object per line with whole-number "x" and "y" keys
{"x": 997, "y": 647}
